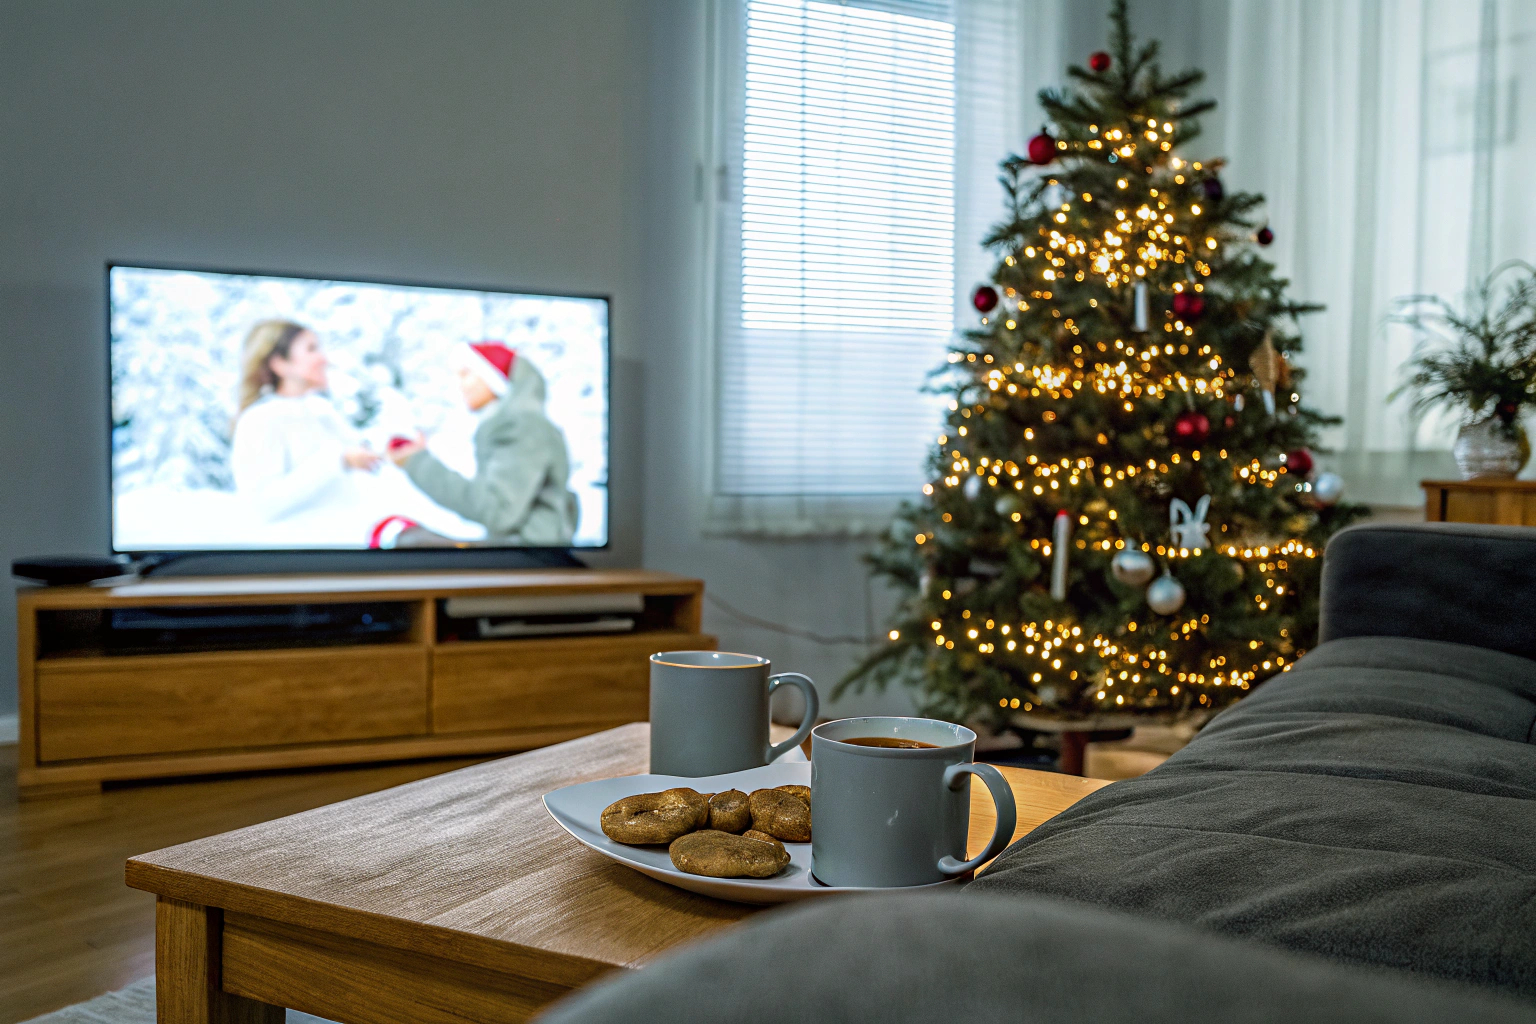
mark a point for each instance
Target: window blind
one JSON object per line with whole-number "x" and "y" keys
{"x": 837, "y": 284}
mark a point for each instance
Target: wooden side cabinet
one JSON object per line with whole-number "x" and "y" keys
{"x": 1501, "y": 502}
{"x": 93, "y": 710}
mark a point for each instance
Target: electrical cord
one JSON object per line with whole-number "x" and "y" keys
{"x": 776, "y": 627}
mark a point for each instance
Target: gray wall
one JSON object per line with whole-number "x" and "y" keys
{"x": 534, "y": 144}
{"x": 449, "y": 141}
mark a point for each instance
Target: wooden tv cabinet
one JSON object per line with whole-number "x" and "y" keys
{"x": 91, "y": 714}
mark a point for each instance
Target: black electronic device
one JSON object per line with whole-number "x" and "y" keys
{"x": 60, "y": 570}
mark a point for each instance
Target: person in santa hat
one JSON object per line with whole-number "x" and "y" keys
{"x": 519, "y": 491}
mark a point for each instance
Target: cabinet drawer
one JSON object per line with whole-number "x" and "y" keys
{"x": 517, "y": 684}
{"x": 156, "y": 704}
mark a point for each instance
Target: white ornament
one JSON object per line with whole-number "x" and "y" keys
{"x": 1328, "y": 488}
{"x": 1139, "y": 318}
{"x": 1189, "y": 528}
{"x": 1132, "y": 567}
{"x": 1166, "y": 595}
{"x": 972, "y": 488}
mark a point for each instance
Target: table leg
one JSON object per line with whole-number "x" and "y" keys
{"x": 188, "y": 990}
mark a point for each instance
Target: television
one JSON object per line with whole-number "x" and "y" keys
{"x": 262, "y": 412}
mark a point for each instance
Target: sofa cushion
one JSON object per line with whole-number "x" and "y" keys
{"x": 1377, "y": 804}
{"x": 929, "y": 958}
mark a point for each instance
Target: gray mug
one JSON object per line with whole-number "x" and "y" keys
{"x": 891, "y": 816}
{"x": 709, "y": 712}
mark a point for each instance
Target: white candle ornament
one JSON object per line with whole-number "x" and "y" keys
{"x": 1061, "y": 535}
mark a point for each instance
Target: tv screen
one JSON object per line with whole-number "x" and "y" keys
{"x": 258, "y": 412}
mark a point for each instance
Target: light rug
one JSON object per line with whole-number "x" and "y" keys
{"x": 132, "y": 1005}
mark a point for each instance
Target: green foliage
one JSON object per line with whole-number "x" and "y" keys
{"x": 1058, "y": 403}
{"x": 1481, "y": 358}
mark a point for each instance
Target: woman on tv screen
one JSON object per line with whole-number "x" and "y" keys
{"x": 291, "y": 451}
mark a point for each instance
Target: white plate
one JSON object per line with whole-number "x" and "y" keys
{"x": 578, "y": 809}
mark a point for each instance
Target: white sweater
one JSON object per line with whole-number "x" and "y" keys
{"x": 287, "y": 453}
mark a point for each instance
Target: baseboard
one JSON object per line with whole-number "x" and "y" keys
{"x": 8, "y": 727}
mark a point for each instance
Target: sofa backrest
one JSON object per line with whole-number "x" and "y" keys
{"x": 1454, "y": 582}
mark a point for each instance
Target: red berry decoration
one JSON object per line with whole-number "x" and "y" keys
{"x": 1191, "y": 427}
{"x": 1188, "y": 305}
{"x": 985, "y": 299}
{"x": 1099, "y": 61}
{"x": 1042, "y": 149}
{"x": 1265, "y": 236}
{"x": 1299, "y": 462}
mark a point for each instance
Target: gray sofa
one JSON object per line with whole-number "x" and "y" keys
{"x": 1356, "y": 841}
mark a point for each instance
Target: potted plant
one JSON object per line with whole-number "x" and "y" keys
{"x": 1482, "y": 360}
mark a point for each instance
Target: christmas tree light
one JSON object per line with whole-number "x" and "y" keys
{"x": 1112, "y": 525}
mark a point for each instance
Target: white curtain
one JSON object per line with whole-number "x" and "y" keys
{"x": 1388, "y": 139}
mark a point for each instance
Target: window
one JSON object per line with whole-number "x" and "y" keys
{"x": 836, "y": 251}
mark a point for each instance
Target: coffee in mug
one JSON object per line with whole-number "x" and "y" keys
{"x": 888, "y": 741}
{"x": 890, "y": 802}
{"x": 709, "y": 712}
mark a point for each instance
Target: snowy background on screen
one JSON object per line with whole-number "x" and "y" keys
{"x": 176, "y": 339}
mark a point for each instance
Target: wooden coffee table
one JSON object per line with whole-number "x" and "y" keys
{"x": 449, "y": 899}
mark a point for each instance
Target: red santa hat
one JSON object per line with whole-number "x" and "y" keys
{"x": 491, "y": 361}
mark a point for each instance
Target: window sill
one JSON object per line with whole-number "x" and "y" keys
{"x": 787, "y": 517}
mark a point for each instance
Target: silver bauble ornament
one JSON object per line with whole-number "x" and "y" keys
{"x": 972, "y": 488}
{"x": 1007, "y": 505}
{"x": 925, "y": 583}
{"x": 1328, "y": 488}
{"x": 1132, "y": 567}
{"x": 1166, "y": 595}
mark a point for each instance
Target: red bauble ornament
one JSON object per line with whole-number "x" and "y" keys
{"x": 1230, "y": 421}
{"x": 1191, "y": 427}
{"x": 1099, "y": 61}
{"x": 1265, "y": 236}
{"x": 1299, "y": 462}
{"x": 1042, "y": 149}
{"x": 985, "y": 299}
{"x": 1188, "y": 305}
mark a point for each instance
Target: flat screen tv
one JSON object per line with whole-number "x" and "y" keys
{"x": 258, "y": 412}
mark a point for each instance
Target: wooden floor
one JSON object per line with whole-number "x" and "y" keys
{"x": 69, "y": 928}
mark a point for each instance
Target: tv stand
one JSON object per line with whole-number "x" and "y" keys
{"x": 371, "y": 671}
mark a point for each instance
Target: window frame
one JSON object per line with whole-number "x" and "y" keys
{"x": 719, "y": 187}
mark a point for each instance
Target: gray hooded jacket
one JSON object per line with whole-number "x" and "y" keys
{"x": 519, "y": 491}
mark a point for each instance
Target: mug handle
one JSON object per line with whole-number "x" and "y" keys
{"x": 1007, "y": 814}
{"x": 812, "y": 708}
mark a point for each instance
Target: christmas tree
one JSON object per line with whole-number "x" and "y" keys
{"x": 1123, "y": 514}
